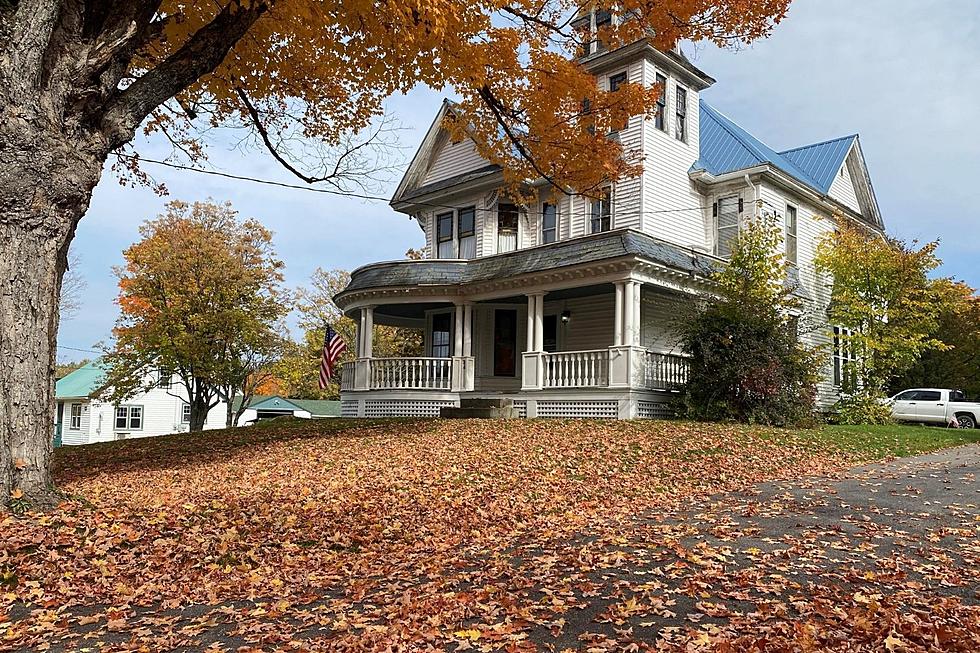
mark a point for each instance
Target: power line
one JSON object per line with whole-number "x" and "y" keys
{"x": 86, "y": 351}
{"x": 377, "y": 198}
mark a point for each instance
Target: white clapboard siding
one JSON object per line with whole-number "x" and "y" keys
{"x": 672, "y": 207}
{"x": 660, "y": 317}
{"x": 451, "y": 159}
{"x": 812, "y": 226}
{"x": 842, "y": 188}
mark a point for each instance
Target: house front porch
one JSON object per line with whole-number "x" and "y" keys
{"x": 593, "y": 337}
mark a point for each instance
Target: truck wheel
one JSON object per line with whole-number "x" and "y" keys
{"x": 966, "y": 421}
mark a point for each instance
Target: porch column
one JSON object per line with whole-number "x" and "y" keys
{"x": 367, "y": 329}
{"x": 458, "y": 330}
{"x": 629, "y": 325}
{"x": 532, "y": 377}
{"x": 467, "y": 330}
{"x": 637, "y": 321}
{"x": 618, "y": 315}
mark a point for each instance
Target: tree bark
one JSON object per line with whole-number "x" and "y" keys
{"x": 45, "y": 187}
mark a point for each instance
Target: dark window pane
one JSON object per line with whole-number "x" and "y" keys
{"x": 681, "y": 118}
{"x": 661, "y": 117}
{"x": 550, "y": 325}
{"x": 549, "y": 223}
{"x": 601, "y": 212}
{"x": 616, "y": 81}
{"x": 505, "y": 343}
{"x": 930, "y": 395}
{"x": 441, "y": 335}
{"x": 467, "y": 221}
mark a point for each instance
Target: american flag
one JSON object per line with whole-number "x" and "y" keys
{"x": 333, "y": 348}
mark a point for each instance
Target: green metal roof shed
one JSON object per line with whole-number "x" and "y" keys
{"x": 83, "y": 382}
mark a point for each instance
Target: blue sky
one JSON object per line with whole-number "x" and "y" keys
{"x": 903, "y": 74}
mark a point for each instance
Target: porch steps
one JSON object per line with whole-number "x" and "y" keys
{"x": 481, "y": 409}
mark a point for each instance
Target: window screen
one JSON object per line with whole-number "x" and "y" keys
{"x": 727, "y": 225}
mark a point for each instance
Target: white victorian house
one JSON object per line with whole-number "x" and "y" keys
{"x": 568, "y": 305}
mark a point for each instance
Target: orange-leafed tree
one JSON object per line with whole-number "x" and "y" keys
{"x": 201, "y": 298}
{"x": 79, "y": 78}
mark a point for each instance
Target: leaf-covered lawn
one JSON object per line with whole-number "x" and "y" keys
{"x": 416, "y": 535}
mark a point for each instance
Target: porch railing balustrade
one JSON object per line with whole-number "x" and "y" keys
{"x": 347, "y": 376}
{"x": 576, "y": 369}
{"x": 664, "y": 371}
{"x": 411, "y": 373}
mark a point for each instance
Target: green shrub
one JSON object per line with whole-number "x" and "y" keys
{"x": 746, "y": 360}
{"x": 862, "y": 407}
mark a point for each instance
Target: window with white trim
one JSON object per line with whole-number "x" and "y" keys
{"x": 616, "y": 82}
{"x": 601, "y": 211}
{"x": 444, "y": 236}
{"x": 442, "y": 335}
{"x": 466, "y": 232}
{"x": 549, "y": 223}
{"x": 680, "y": 119}
{"x": 75, "y": 417}
{"x": 185, "y": 413}
{"x": 129, "y": 418}
{"x": 164, "y": 378}
{"x": 844, "y": 357}
{"x": 660, "y": 119}
{"x": 726, "y": 213}
{"x": 791, "y": 234}
{"x": 506, "y": 227}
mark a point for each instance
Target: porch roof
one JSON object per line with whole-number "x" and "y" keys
{"x": 576, "y": 251}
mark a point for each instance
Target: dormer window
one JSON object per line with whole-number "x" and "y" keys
{"x": 680, "y": 120}
{"x": 660, "y": 120}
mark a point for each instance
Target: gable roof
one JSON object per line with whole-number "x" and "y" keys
{"x": 822, "y": 161}
{"x": 725, "y": 147}
{"x": 316, "y": 407}
{"x": 83, "y": 382}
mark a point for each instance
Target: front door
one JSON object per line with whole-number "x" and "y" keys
{"x": 504, "y": 342}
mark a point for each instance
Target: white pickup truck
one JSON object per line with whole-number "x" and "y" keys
{"x": 935, "y": 406}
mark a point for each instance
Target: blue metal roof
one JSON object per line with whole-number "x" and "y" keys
{"x": 822, "y": 160}
{"x": 726, "y": 147}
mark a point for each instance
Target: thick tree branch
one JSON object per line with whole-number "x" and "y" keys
{"x": 201, "y": 55}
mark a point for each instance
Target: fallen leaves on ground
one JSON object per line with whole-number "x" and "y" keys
{"x": 474, "y": 535}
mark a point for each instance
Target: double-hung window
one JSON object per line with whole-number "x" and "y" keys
{"x": 660, "y": 120}
{"x": 549, "y": 223}
{"x": 444, "y": 236}
{"x": 791, "y": 239}
{"x": 844, "y": 357}
{"x": 442, "y": 335}
{"x": 680, "y": 120}
{"x": 615, "y": 83}
{"x": 129, "y": 418}
{"x": 726, "y": 225}
{"x": 466, "y": 232}
{"x": 506, "y": 228}
{"x": 164, "y": 378}
{"x": 601, "y": 211}
{"x": 185, "y": 413}
{"x": 75, "y": 417}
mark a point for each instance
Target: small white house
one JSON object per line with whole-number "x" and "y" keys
{"x": 269, "y": 407}
{"x": 83, "y": 419}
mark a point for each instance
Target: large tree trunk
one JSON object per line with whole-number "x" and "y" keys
{"x": 46, "y": 183}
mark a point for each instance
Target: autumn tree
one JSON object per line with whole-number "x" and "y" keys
{"x": 954, "y": 366}
{"x": 80, "y": 78}
{"x": 747, "y": 362}
{"x": 298, "y": 370}
{"x": 200, "y": 296}
{"x": 888, "y": 306}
